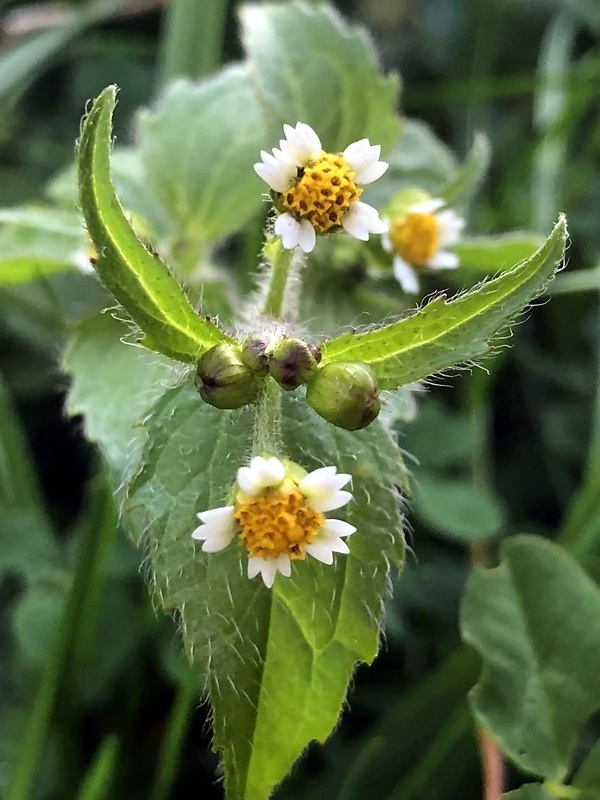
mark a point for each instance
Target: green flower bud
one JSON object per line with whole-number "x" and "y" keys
{"x": 293, "y": 362}
{"x": 224, "y": 380}
{"x": 255, "y": 357}
{"x": 345, "y": 393}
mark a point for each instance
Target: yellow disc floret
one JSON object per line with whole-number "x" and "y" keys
{"x": 277, "y": 522}
{"x": 415, "y": 237}
{"x": 323, "y": 193}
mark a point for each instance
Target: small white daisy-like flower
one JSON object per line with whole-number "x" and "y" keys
{"x": 418, "y": 238}
{"x": 318, "y": 191}
{"x": 278, "y": 515}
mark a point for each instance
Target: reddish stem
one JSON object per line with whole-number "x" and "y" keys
{"x": 492, "y": 766}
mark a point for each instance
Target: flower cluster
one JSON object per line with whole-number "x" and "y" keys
{"x": 277, "y": 514}
{"x": 316, "y": 191}
{"x": 418, "y": 236}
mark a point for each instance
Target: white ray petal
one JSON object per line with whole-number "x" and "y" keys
{"x": 217, "y": 529}
{"x": 406, "y": 276}
{"x": 306, "y": 236}
{"x": 451, "y": 227}
{"x": 337, "y": 528}
{"x": 323, "y": 479}
{"x": 426, "y": 206}
{"x": 329, "y": 502}
{"x": 362, "y": 219}
{"x": 260, "y": 474}
{"x": 321, "y": 551}
{"x": 371, "y": 173}
{"x": 289, "y": 230}
{"x": 443, "y": 260}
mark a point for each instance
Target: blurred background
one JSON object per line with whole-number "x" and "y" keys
{"x": 512, "y": 450}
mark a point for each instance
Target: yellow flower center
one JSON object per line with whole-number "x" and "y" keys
{"x": 275, "y": 523}
{"x": 323, "y": 192}
{"x": 416, "y": 237}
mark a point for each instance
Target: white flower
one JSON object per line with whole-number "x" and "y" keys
{"x": 418, "y": 238}
{"x": 279, "y": 517}
{"x": 318, "y": 191}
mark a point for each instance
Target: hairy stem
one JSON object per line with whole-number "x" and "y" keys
{"x": 267, "y": 421}
{"x": 281, "y": 297}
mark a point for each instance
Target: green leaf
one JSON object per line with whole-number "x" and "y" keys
{"x": 22, "y": 270}
{"x": 418, "y": 159}
{"x": 489, "y": 254}
{"x": 311, "y": 66}
{"x": 198, "y": 147}
{"x": 457, "y": 509}
{"x": 587, "y": 776}
{"x": 27, "y": 544}
{"x": 279, "y": 661}
{"x": 461, "y": 188}
{"x": 137, "y": 278}
{"x": 531, "y": 791}
{"x": 446, "y": 333}
{"x": 113, "y": 386}
{"x": 534, "y": 620}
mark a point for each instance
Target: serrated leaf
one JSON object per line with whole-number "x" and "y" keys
{"x": 310, "y": 65}
{"x": 113, "y": 386}
{"x": 198, "y": 147}
{"x": 446, "y": 333}
{"x": 536, "y": 689}
{"x": 490, "y": 254}
{"x": 279, "y": 661}
{"x": 461, "y": 188}
{"x": 137, "y": 278}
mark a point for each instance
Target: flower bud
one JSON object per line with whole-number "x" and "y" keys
{"x": 345, "y": 394}
{"x": 255, "y": 357}
{"x": 224, "y": 380}
{"x": 293, "y": 362}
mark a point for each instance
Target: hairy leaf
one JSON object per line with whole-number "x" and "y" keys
{"x": 446, "y": 333}
{"x": 279, "y": 661}
{"x": 198, "y": 146}
{"x": 113, "y": 386}
{"x": 310, "y": 66}
{"x": 534, "y": 620}
{"x": 137, "y": 278}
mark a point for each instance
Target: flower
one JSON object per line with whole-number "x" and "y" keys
{"x": 316, "y": 191}
{"x": 278, "y": 515}
{"x": 417, "y": 238}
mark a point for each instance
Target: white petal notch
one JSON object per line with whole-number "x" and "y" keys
{"x": 318, "y": 192}
{"x": 271, "y": 497}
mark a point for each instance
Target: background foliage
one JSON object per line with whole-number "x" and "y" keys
{"x": 93, "y": 680}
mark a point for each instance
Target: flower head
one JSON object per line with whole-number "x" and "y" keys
{"x": 278, "y": 514}
{"x": 418, "y": 237}
{"x": 316, "y": 191}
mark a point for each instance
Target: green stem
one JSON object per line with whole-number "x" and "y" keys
{"x": 192, "y": 39}
{"x": 582, "y": 280}
{"x": 170, "y": 751}
{"x": 267, "y": 422}
{"x": 282, "y": 266}
{"x": 89, "y": 563}
{"x": 99, "y": 778}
